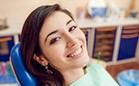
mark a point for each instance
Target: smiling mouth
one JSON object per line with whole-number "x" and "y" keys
{"x": 76, "y": 53}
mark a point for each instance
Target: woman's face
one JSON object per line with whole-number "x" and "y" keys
{"x": 62, "y": 43}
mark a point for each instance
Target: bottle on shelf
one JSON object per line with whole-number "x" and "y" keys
{"x": 99, "y": 56}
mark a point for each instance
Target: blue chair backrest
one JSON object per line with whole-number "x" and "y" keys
{"x": 24, "y": 77}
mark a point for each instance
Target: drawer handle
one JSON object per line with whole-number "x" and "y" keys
{"x": 130, "y": 36}
{"x": 106, "y": 29}
{"x": 5, "y": 39}
{"x": 131, "y": 27}
{"x": 131, "y": 31}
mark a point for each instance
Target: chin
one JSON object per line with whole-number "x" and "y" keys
{"x": 84, "y": 62}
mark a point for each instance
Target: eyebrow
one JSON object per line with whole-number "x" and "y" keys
{"x": 69, "y": 22}
{"x": 50, "y": 34}
{"x": 55, "y": 31}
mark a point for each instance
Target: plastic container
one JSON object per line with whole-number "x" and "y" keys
{"x": 128, "y": 78}
{"x": 97, "y": 8}
{"x": 3, "y": 68}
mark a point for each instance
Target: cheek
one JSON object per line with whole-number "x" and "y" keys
{"x": 55, "y": 53}
{"x": 56, "y": 57}
{"x": 81, "y": 35}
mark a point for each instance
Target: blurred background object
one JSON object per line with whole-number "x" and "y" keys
{"x": 3, "y": 23}
{"x": 81, "y": 12}
{"x": 97, "y": 8}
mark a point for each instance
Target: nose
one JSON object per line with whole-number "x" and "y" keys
{"x": 71, "y": 41}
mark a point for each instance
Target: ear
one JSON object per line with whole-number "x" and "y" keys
{"x": 40, "y": 59}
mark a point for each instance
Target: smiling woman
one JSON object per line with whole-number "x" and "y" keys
{"x": 54, "y": 50}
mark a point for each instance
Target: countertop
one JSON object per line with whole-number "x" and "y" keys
{"x": 15, "y": 26}
{"x": 89, "y": 23}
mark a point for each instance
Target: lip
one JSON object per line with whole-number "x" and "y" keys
{"x": 77, "y": 56}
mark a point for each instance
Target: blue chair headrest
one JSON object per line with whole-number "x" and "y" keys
{"x": 24, "y": 77}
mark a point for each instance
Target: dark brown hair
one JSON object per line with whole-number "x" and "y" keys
{"x": 30, "y": 45}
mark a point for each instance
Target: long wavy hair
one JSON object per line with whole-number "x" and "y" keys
{"x": 30, "y": 45}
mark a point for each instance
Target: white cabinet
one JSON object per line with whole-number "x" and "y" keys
{"x": 117, "y": 40}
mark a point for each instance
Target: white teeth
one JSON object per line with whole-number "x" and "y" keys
{"x": 75, "y": 53}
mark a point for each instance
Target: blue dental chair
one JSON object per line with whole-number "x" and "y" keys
{"x": 23, "y": 77}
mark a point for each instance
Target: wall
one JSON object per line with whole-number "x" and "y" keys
{"x": 121, "y": 3}
{"x": 19, "y": 9}
{"x": 136, "y": 5}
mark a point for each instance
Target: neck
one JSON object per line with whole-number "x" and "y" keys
{"x": 72, "y": 75}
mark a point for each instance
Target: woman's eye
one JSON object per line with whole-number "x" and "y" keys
{"x": 55, "y": 40}
{"x": 72, "y": 28}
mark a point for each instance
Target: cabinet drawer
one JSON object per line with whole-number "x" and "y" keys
{"x": 6, "y": 43}
{"x": 128, "y": 42}
{"x": 104, "y": 42}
